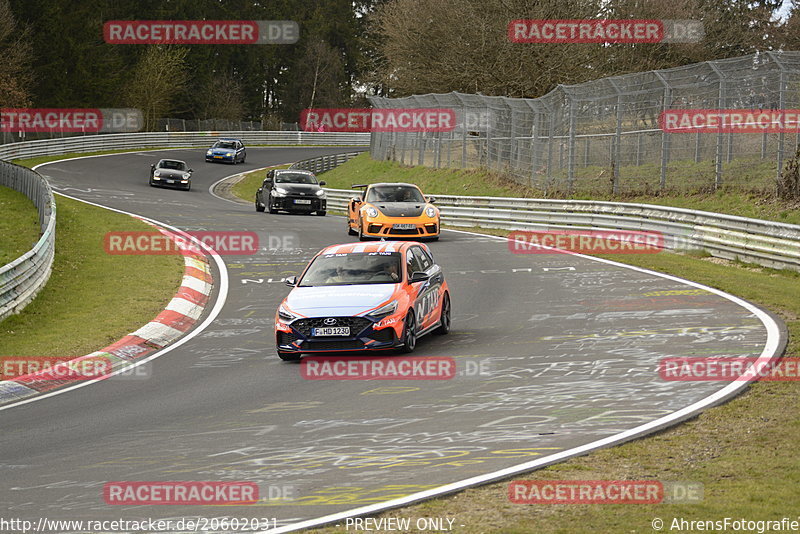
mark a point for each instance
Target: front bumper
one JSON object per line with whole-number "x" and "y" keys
{"x": 220, "y": 158}
{"x": 289, "y": 203}
{"x": 386, "y": 228}
{"x": 296, "y": 337}
{"x": 177, "y": 184}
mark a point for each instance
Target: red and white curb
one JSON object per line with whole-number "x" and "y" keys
{"x": 180, "y": 315}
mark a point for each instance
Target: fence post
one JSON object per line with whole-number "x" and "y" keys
{"x": 721, "y": 101}
{"x": 781, "y": 106}
{"x": 665, "y": 137}
{"x": 615, "y": 163}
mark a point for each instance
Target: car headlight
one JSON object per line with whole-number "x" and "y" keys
{"x": 157, "y": 174}
{"x": 186, "y": 176}
{"x": 285, "y": 314}
{"x": 383, "y": 311}
{"x": 209, "y": 152}
{"x": 372, "y": 212}
{"x": 430, "y": 211}
{"x": 229, "y": 154}
{"x": 280, "y": 191}
{"x": 320, "y": 193}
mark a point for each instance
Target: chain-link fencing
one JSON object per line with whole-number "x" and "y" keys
{"x": 604, "y": 136}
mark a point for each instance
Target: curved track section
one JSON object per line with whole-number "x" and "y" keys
{"x": 556, "y": 351}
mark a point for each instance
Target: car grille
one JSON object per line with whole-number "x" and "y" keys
{"x": 395, "y": 231}
{"x": 286, "y": 338}
{"x": 356, "y": 324}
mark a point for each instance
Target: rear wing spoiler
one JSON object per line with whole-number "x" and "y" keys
{"x": 358, "y": 186}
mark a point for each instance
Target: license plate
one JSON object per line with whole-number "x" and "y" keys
{"x": 217, "y": 157}
{"x": 302, "y": 201}
{"x": 170, "y": 181}
{"x": 404, "y": 226}
{"x": 331, "y": 331}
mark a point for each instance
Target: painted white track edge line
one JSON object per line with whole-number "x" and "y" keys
{"x": 217, "y": 308}
{"x": 770, "y": 347}
{"x": 773, "y": 338}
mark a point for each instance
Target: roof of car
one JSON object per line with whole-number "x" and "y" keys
{"x": 229, "y": 139}
{"x": 293, "y": 170}
{"x": 394, "y": 183}
{"x": 377, "y": 246}
{"x": 173, "y": 160}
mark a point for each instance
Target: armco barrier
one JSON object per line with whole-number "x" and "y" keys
{"x": 22, "y": 279}
{"x": 324, "y": 163}
{"x": 766, "y": 243}
{"x": 142, "y": 140}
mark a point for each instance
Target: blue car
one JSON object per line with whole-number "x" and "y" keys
{"x": 227, "y": 151}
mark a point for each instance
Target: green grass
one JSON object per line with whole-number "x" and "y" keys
{"x": 472, "y": 182}
{"x": 19, "y": 225}
{"x": 247, "y": 187}
{"x": 92, "y": 298}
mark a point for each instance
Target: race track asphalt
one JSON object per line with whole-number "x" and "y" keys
{"x": 553, "y": 352}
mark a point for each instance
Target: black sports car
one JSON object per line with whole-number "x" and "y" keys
{"x": 171, "y": 173}
{"x": 291, "y": 190}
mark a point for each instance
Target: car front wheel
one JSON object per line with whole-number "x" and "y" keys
{"x": 444, "y": 319}
{"x": 409, "y": 334}
{"x": 270, "y": 205}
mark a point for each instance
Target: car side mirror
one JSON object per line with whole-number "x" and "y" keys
{"x": 419, "y": 276}
{"x": 153, "y": 166}
{"x": 431, "y": 199}
{"x": 323, "y": 182}
{"x": 191, "y": 170}
{"x": 290, "y": 281}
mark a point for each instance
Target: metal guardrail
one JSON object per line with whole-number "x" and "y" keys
{"x": 143, "y": 140}
{"x": 324, "y": 163}
{"x": 766, "y": 243}
{"x": 24, "y": 277}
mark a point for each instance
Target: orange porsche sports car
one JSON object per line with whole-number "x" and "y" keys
{"x": 363, "y": 296}
{"x": 392, "y": 210}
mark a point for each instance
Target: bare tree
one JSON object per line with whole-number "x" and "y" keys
{"x": 16, "y": 52}
{"x": 158, "y": 77}
{"x": 221, "y": 97}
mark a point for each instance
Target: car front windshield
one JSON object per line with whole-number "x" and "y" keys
{"x": 294, "y": 178}
{"x": 394, "y": 193}
{"x": 225, "y": 144}
{"x": 354, "y": 268}
{"x": 174, "y": 165}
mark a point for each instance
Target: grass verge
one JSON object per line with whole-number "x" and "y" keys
{"x": 246, "y": 188}
{"x": 477, "y": 182}
{"x": 92, "y": 298}
{"x": 19, "y": 225}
